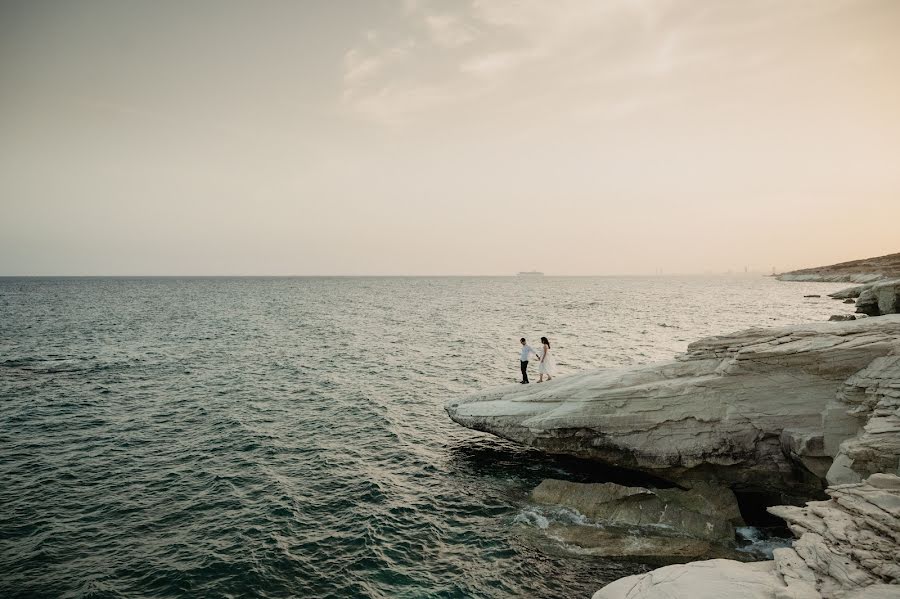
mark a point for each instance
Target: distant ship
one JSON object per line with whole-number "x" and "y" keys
{"x": 531, "y": 273}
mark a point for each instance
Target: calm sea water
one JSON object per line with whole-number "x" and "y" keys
{"x": 279, "y": 437}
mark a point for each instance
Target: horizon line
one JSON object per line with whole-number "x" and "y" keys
{"x": 383, "y": 276}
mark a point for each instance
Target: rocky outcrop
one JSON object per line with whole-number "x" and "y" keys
{"x": 846, "y": 548}
{"x": 849, "y": 292}
{"x": 756, "y": 410}
{"x": 856, "y": 271}
{"x": 880, "y": 298}
{"x": 704, "y": 512}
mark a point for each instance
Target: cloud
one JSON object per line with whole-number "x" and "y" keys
{"x": 448, "y": 31}
{"x": 568, "y": 53}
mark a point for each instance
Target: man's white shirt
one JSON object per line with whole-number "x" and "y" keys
{"x": 526, "y": 350}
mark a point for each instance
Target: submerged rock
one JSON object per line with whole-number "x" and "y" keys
{"x": 704, "y": 512}
{"x": 849, "y": 301}
{"x": 841, "y": 317}
{"x": 758, "y": 409}
{"x": 846, "y": 548}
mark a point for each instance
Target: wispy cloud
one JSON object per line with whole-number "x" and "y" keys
{"x": 577, "y": 47}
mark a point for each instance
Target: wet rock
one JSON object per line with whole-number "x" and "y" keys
{"x": 812, "y": 295}
{"x": 704, "y": 512}
{"x": 645, "y": 543}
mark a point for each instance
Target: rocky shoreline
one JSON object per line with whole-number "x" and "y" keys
{"x": 757, "y": 410}
{"x": 797, "y": 412}
{"x": 846, "y": 547}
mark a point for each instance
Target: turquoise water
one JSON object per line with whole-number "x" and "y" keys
{"x": 279, "y": 437}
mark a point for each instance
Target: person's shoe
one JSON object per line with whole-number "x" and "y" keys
{"x": 523, "y": 382}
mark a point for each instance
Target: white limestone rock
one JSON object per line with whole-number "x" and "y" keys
{"x": 717, "y": 413}
{"x": 710, "y": 579}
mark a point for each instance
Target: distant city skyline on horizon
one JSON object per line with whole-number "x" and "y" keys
{"x": 422, "y": 138}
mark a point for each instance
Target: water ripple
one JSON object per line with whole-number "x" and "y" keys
{"x": 286, "y": 437}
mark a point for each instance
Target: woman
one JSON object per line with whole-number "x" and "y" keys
{"x": 547, "y": 365}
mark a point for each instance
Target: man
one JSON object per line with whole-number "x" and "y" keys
{"x": 526, "y": 352}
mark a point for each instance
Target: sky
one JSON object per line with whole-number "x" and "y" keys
{"x": 465, "y": 137}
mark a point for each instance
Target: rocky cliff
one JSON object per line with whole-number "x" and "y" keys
{"x": 762, "y": 409}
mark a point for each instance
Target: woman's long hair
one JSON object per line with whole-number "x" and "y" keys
{"x": 545, "y": 341}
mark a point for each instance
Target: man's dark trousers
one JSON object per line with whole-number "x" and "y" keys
{"x": 525, "y": 371}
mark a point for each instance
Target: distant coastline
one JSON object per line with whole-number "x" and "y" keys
{"x": 866, "y": 270}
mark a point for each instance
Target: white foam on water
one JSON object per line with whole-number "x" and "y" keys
{"x": 759, "y": 543}
{"x": 542, "y": 517}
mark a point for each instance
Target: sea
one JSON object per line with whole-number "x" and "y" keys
{"x": 286, "y": 437}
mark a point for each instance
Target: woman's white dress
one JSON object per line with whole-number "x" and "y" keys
{"x": 547, "y": 365}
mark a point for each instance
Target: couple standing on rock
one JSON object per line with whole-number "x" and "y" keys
{"x": 547, "y": 365}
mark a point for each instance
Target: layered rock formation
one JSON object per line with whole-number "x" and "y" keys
{"x": 846, "y": 548}
{"x": 856, "y": 271}
{"x": 760, "y": 409}
{"x": 873, "y": 398}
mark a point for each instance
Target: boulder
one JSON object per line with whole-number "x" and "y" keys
{"x": 880, "y": 298}
{"x": 846, "y": 547}
{"x": 704, "y": 512}
{"x": 867, "y": 303}
{"x": 715, "y": 413}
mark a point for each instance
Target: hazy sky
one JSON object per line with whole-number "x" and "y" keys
{"x": 463, "y": 137}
